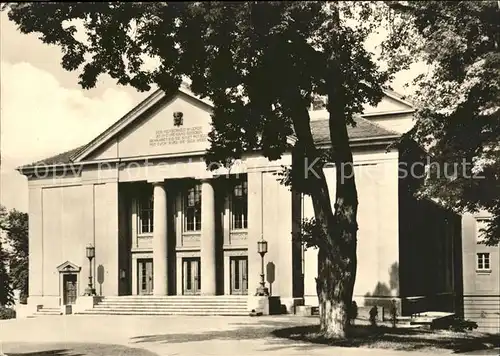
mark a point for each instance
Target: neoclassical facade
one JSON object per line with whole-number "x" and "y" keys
{"x": 162, "y": 224}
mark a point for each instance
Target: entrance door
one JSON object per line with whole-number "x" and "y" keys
{"x": 69, "y": 288}
{"x": 239, "y": 275}
{"x": 145, "y": 269}
{"x": 191, "y": 274}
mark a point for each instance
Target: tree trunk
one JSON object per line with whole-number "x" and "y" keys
{"x": 337, "y": 260}
{"x": 337, "y": 253}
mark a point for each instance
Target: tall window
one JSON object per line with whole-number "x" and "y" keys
{"x": 192, "y": 209}
{"x": 483, "y": 261}
{"x": 145, "y": 215}
{"x": 239, "y": 206}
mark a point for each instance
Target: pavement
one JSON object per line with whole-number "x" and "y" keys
{"x": 171, "y": 335}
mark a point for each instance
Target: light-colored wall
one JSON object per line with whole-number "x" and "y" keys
{"x": 386, "y": 105}
{"x": 481, "y": 289}
{"x": 478, "y": 282}
{"x": 63, "y": 236}
{"x": 277, "y": 213}
{"x": 270, "y": 217}
{"x": 400, "y": 123}
{"x": 65, "y": 215}
{"x": 106, "y": 151}
{"x": 106, "y": 235}
{"x": 36, "y": 262}
{"x": 376, "y": 177}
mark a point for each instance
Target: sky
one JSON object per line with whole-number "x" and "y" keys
{"x": 43, "y": 110}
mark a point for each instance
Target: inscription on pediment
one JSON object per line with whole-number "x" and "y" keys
{"x": 178, "y": 136}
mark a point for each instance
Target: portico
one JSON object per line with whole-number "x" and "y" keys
{"x": 178, "y": 227}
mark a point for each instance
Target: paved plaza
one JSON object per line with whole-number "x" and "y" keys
{"x": 164, "y": 335}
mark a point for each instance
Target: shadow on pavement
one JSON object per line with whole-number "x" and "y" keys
{"x": 45, "y": 353}
{"x": 280, "y": 335}
{"x": 71, "y": 349}
{"x": 402, "y": 339}
{"x": 257, "y": 329}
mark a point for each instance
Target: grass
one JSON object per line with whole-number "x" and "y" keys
{"x": 402, "y": 339}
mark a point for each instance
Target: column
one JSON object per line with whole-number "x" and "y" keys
{"x": 208, "y": 245}
{"x": 160, "y": 267}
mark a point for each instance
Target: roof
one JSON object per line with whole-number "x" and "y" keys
{"x": 364, "y": 129}
{"x": 59, "y": 159}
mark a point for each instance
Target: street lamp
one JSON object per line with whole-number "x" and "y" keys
{"x": 262, "y": 249}
{"x": 90, "y": 252}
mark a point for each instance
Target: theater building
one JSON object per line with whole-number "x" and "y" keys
{"x": 163, "y": 225}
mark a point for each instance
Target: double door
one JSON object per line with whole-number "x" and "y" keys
{"x": 145, "y": 269}
{"x": 239, "y": 275}
{"x": 190, "y": 273}
{"x": 191, "y": 276}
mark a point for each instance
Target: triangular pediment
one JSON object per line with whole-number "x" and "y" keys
{"x": 173, "y": 125}
{"x": 68, "y": 267}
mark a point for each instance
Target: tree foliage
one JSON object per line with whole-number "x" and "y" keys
{"x": 260, "y": 63}
{"x": 6, "y": 293}
{"x": 15, "y": 226}
{"x": 249, "y": 58}
{"x": 458, "y": 100}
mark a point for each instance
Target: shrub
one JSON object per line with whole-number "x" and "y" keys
{"x": 7, "y": 313}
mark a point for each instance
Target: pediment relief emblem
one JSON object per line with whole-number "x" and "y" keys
{"x": 178, "y": 118}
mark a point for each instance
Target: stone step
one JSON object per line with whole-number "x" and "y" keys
{"x": 177, "y": 306}
{"x": 171, "y": 308}
{"x": 171, "y": 305}
{"x": 185, "y": 307}
{"x": 180, "y": 305}
{"x": 155, "y": 312}
{"x": 171, "y": 311}
{"x": 48, "y": 312}
{"x": 174, "y": 299}
{"x": 180, "y": 296}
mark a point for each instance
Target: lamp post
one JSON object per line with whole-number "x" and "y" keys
{"x": 90, "y": 252}
{"x": 262, "y": 249}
